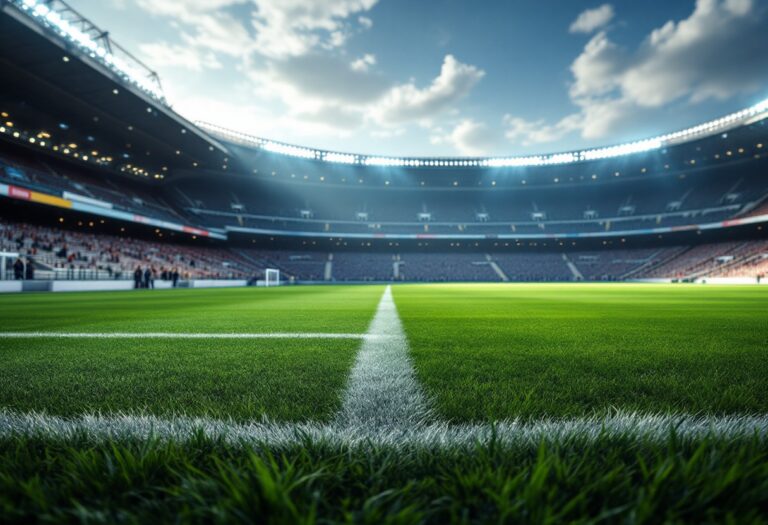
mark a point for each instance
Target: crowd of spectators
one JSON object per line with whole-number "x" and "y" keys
{"x": 85, "y": 255}
{"x": 614, "y": 265}
{"x": 697, "y": 261}
{"x": 46, "y": 252}
{"x": 349, "y": 266}
{"x": 750, "y": 260}
{"x": 445, "y": 267}
{"x": 534, "y": 266}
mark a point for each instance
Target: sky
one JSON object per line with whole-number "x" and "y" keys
{"x": 448, "y": 77}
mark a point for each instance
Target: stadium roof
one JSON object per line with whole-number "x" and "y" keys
{"x": 53, "y": 57}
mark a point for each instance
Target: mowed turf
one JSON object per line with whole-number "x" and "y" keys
{"x": 483, "y": 352}
{"x": 487, "y": 352}
{"x": 336, "y": 309}
{"x": 242, "y": 379}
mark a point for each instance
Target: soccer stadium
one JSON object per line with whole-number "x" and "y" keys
{"x": 206, "y": 322}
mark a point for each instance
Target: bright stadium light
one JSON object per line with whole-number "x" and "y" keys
{"x": 289, "y": 150}
{"x": 43, "y": 13}
{"x": 759, "y": 110}
{"x": 342, "y": 158}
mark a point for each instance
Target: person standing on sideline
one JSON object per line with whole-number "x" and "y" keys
{"x": 147, "y": 277}
{"x": 137, "y": 275}
{"x": 18, "y": 269}
{"x": 29, "y": 271}
{"x": 175, "y": 277}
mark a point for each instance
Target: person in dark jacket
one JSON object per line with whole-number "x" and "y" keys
{"x": 175, "y": 277}
{"x": 18, "y": 269}
{"x": 137, "y": 275}
{"x": 29, "y": 271}
{"x": 147, "y": 277}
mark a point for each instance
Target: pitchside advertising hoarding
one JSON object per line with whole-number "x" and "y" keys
{"x": 72, "y": 201}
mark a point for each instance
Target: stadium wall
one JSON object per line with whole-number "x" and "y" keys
{"x": 10, "y": 286}
{"x": 705, "y": 280}
{"x": 730, "y": 280}
{"x": 217, "y": 283}
{"x": 114, "y": 285}
{"x": 97, "y": 286}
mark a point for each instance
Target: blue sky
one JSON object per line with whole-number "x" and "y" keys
{"x": 448, "y": 77}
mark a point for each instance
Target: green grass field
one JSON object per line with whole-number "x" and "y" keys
{"x": 281, "y": 380}
{"x": 481, "y": 353}
{"x": 548, "y": 350}
{"x": 286, "y": 379}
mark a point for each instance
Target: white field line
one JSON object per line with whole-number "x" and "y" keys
{"x": 619, "y": 426}
{"x": 382, "y": 390}
{"x": 186, "y": 335}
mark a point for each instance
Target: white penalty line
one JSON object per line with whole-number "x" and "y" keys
{"x": 586, "y": 430}
{"x": 187, "y": 335}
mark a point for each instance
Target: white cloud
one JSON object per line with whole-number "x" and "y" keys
{"x": 339, "y": 117}
{"x": 184, "y": 9}
{"x": 294, "y": 36}
{"x": 326, "y": 88}
{"x": 601, "y": 117}
{"x": 365, "y": 22}
{"x": 292, "y": 53}
{"x": 219, "y": 33}
{"x": 717, "y": 52}
{"x": 163, "y": 54}
{"x": 317, "y": 78}
{"x": 364, "y": 63}
{"x": 205, "y": 24}
{"x": 527, "y": 133}
{"x": 470, "y": 137}
{"x": 262, "y": 121}
{"x": 206, "y": 31}
{"x": 408, "y": 102}
{"x": 597, "y": 70}
{"x": 295, "y": 27}
{"x": 273, "y": 28}
{"x": 592, "y": 19}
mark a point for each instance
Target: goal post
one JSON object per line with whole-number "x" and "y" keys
{"x": 271, "y": 277}
{"x": 6, "y": 264}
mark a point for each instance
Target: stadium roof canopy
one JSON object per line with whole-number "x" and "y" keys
{"x": 56, "y": 59}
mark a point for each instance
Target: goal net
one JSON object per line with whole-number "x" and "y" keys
{"x": 271, "y": 277}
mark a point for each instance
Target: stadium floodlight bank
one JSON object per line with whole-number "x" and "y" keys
{"x": 723, "y": 124}
{"x": 272, "y": 277}
{"x": 58, "y": 17}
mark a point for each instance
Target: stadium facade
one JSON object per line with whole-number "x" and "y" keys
{"x": 88, "y": 142}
